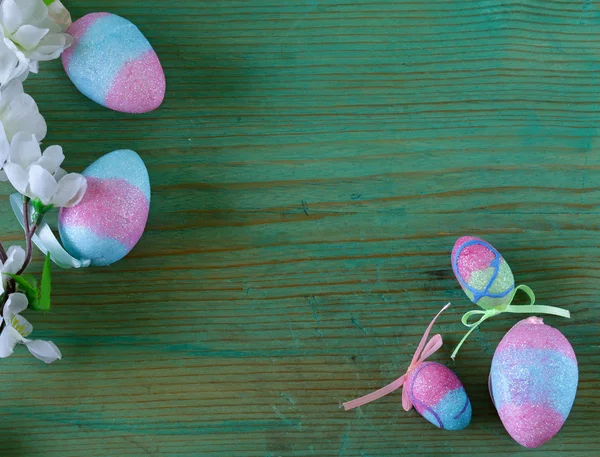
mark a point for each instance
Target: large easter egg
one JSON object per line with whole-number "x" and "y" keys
{"x": 112, "y": 63}
{"x": 533, "y": 381}
{"x": 111, "y": 218}
{"x": 439, "y": 396}
{"x": 482, "y": 273}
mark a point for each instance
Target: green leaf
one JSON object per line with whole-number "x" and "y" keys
{"x": 46, "y": 284}
{"x": 49, "y": 2}
{"x": 28, "y": 286}
{"x": 32, "y": 280}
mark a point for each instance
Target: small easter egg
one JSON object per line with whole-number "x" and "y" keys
{"x": 482, "y": 273}
{"x": 111, "y": 217}
{"x": 112, "y": 63}
{"x": 533, "y": 381}
{"x": 439, "y": 396}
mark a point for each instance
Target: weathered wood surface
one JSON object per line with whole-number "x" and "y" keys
{"x": 312, "y": 165}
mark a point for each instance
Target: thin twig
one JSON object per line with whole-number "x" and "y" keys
{"x": 29, "y": 249}
{"x": 3, "y": 255}
{"x": 26, "y": 215}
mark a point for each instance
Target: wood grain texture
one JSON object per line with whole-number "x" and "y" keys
{"x": 312, "y": 165}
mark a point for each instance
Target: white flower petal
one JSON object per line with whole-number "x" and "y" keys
{"x": 22, "y": 76}
{"x": 29, "y": 36}
{"x": 3, "y": 176}
{"x": 9, "y": 92}
{"x": 16, "y": 258}
{"x": 34, "y": 66}
{"x": 21, "y": 325}
{"x": 11, "y": 65}
{"x": 25, "y": 149}
{"x": 4, "y": 146}
{"x": 19, "y": 112}
{"x": 52, "y": 46}
{"x": 26, "y": 116}
{"x": 8, "y": 340}
{"x": 52, "y": 158}
{"x": 70, "y": 190}
{"x": 42, "y": 184}
{"x": 45, "y": 351}
{"x": 60, "y": 15}
{"x": 33, "y": 11}
{"x": 10, "y": 15}
{"x": 59, "y": 174}
{"x": 18, "y": 177}
{"x": 15, "y": 304}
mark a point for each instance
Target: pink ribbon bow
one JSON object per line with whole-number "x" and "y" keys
{"x": 422, "y": 353}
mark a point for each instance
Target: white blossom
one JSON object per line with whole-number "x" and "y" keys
{"x": 11, "y": 66}
{"x": 17, "y": 329}
{"x": 19, "y": 113}
{"x": 29, "y": 29}
{"x": 14, "y": 262}
{"x": 59, "y": 14}
{"x": 39, "y": 176}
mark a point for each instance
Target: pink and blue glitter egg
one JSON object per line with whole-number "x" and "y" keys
{"x": 438, "y": 395}
{"x": 533, "y": 381}
{"x": 112, "y": 63}
{"x": 482, "y": 273}
{"x": 111, "y": 218}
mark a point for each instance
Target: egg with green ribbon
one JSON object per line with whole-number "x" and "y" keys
{"x": 482, "y": 272}
{"x": 488, "y": 281}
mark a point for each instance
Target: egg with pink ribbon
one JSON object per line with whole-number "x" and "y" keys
{"x": 439, "y": 396}
{"x": 533, "y": 381}
{"x": 112, "y": 63}
{"x": 433, "y": 389}
{"x": 111, "y": 218}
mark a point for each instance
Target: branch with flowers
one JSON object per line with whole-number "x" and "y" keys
{"x": 32, "y": 31}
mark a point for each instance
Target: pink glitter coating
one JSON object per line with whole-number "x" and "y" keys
{"x": 111, "y": 208}
{"x": 139, "y": 87}
{"x": 77, "y": 29}
{"x": 530, "y": 425}
{"x": 533, "y": 333}
{"x": 472, "y": 258}
{"x": 431, "y": 382}
{"x": 462, "y": 240}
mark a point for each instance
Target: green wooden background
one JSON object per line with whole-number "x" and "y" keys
{"x": 312, "y": 165}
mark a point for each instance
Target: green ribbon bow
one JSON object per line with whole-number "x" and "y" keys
{"x": 508, "y": 308}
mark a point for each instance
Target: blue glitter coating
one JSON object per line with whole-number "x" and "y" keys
{"x": 551, "y": 378}
{"x": 122, "y": 164}
{"x": 82, "y": 243}
{"x": 101, "y": 52}
{"x": 453, "y": 412}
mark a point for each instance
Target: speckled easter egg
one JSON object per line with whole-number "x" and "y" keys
{"x": 112, "y": 216}
{"x": 439, "y": 396}
{"x": 112, "y": 63}
{"x": 533, "y": 381}
{"x": 482, "y": 273}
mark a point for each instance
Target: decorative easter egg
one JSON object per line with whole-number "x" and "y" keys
{"x": 482, "y": 273}
{"x": 111, "y": 218}
{"x": 112, "y": 63}
{"x": 439, "y": 396}
{"x": 533, "y": 381}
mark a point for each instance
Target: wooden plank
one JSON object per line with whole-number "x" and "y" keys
{"x": 311, "y": 166}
